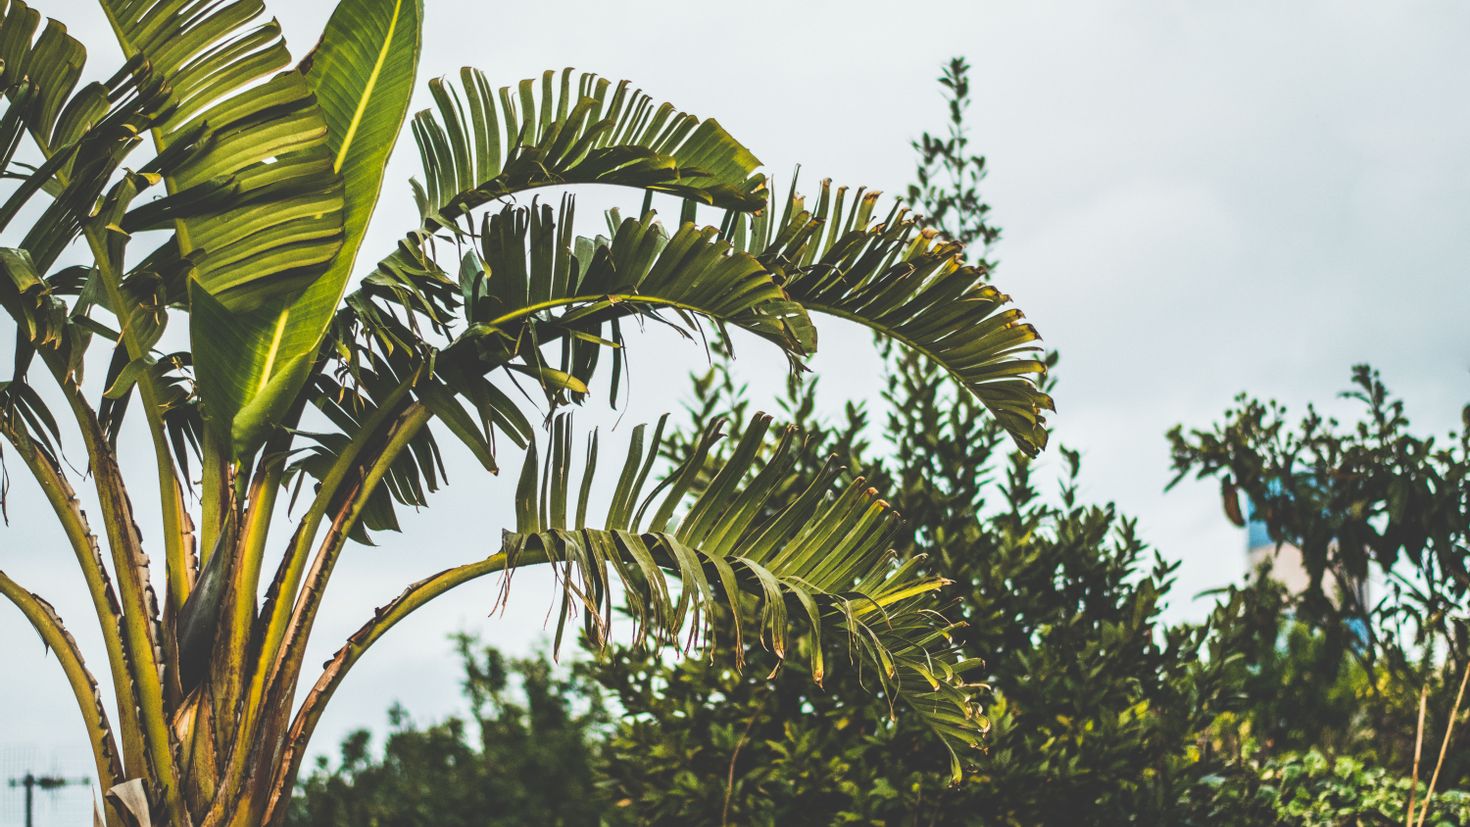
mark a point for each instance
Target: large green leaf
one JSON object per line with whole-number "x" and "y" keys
{"x": 909, "y": 284}
{"x": 362, "y": 74}
{"x": 265, "y": 141}
{"x": 820, "y": 565}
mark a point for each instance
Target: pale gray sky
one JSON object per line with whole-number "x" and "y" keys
{"x": 1197, "y": 199}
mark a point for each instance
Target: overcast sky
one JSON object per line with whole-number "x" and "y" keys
{"x": 1197, "y": 199}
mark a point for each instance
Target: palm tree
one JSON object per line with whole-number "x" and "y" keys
{"x": 299, "y": 366}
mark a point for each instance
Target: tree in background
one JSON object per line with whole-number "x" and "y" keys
{"x": 525, "y": 756}
{"x": 1328, "y": 670}
{"x": 1100, "y": 712}
{"x": 1093, "y": 700}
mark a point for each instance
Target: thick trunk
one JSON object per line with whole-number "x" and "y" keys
{"x": 216, "y": 799}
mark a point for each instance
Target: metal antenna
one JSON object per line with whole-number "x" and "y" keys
{"x": 45, "y": 782}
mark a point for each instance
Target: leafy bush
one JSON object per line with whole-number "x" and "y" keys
{"x": 526, "y": 756}
{"x": 1328, "y": 669}
{"x": 1311, "y": 790}
{"x": 1095, "y": 702}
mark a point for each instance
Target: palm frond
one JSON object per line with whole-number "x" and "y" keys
{"x": 524, "y": 263}
{"x": 534, "y": 284}
{"x": 479, "y": 144}
{"x": 908, "y": 283}
{"x": 355, "y": 405}
{"x": 567, "y": 128}
{"x": 83, "y": 134}
{"x": 529, "y": 287}
{"x": 267, "y": 144}
{"x": 820, "y": 565}
{"x": 39, "y": 76}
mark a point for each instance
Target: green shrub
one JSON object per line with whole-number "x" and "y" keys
{"x": 1311, "y": 790}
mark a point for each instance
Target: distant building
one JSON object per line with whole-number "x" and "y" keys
{"x": 1285, "y": 561}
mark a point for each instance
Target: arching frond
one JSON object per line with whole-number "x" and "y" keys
{"x": 40, "y": 75}
{"x": 533, "y": 284}
{"x": 567, "y": 128}
{"x": 820, "y": 565}
{"x": 480, "y": 144}
{"x": 530, "y": 288}
{"x": 23, "y": 410}
{"x": 83, "y": 135}
{"x": 908, "y": 283}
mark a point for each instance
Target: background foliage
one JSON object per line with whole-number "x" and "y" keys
{"x": 1279, "y": 709}
{"x": 525, "y": 755}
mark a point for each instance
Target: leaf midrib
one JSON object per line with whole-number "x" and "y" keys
{"x": 268, "y": 369}
{"x": 367, "y": 93}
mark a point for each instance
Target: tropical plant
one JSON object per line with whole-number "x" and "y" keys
{"x": 247, "y": 220}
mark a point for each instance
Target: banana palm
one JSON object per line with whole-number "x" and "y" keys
{"x": 246, "y": 220}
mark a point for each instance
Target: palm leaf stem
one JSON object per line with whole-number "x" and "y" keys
{"x": 179, "y": 574}
{"x": 140, "y": 633}
{"x": 63, "y": 499}
{"x": 83, "y": 685}
{"x": 283, "y": 590}
{"x": 268, "y": 702}
{"x": 239, "y": 611}
{"x": 385, "y": 618}
{"x": 403, "y": 429}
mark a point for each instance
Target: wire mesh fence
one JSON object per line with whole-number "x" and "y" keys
{"x": 63, "y": 785}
